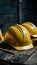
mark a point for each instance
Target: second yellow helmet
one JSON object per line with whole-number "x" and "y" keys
{"x": 31, "y": 28}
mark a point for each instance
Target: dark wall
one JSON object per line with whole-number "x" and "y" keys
{"x": 29, "y": 11}
{"x": 8, "y": 13}
{"x": 15, "y": 11}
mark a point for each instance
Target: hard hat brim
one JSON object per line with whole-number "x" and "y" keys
{"x": 21, "y": 47}
{"x": 24, "y": 47}
{"x": 34, "y": 35}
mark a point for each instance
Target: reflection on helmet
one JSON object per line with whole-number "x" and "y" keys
{"x": 31, "y": 28}
{"x": 18, "y": 37}
{"x": 1, "y": 37}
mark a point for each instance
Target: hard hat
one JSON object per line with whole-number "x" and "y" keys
{"x": 1, "y": 37}
{"x": 18, "y": 37}
{"x": 31, "y": 28}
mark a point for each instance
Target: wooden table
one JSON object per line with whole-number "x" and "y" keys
{"x": 9, "y": 56}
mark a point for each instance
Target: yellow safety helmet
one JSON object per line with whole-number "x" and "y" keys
{"x": 31, "y": 28}
{"x": 1, "y": 37}
{"x": 18, "y": 37}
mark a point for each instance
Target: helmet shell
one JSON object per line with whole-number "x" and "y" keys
{"x": 30, "y": 27}
{"x": 18, "y": 37}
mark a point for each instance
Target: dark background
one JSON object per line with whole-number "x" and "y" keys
{"x": 17, "y": 11}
